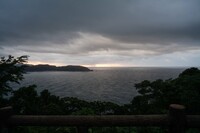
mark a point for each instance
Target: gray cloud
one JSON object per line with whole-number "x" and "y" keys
{"x": 89, "y": 27}
{"x": 121, "y": 18}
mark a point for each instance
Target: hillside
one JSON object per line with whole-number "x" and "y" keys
{"x": 46, "y": 67}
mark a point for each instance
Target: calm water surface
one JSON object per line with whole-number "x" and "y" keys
{"x": 105, "y": 84}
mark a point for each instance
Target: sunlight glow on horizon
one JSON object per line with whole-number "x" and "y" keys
{"x": 105, "y": 65}
{"x": 60, "y": 64}
{"x": 43, "y": 63}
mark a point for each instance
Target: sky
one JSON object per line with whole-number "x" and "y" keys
{"x": 102, "y": 33}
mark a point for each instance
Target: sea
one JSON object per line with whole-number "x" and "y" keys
{"x": 109, "y": 84}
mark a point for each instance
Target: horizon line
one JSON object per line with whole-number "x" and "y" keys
{"x": 124, "y": 66}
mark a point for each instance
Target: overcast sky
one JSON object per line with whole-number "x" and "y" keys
{"x": 102, "y": 32}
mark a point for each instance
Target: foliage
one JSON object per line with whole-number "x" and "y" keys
{"x": 156, "y": 96}
{"x": 50, "y": 104}
{"x": 11, "y": 70}
{"x": 25, "y": 100}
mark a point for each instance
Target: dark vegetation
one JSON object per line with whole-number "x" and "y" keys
{"x": 154, "y": 98}
{"x": 46, "y": 67}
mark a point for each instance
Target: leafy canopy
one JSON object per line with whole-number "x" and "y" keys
{"x": 156, "y": 96}
{"x": 11, "y": 70}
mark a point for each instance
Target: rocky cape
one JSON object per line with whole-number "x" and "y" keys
{"x": 46, "y": 67}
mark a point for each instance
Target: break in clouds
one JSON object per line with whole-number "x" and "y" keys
{"x": 89, "y": 32}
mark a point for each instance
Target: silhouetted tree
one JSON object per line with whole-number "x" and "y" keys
{"x": 25, "y": 100}
{"x": 11, "y": 70}
{"x": 156, "y": 96}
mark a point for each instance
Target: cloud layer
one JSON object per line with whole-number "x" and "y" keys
{"x": 102, "y": 32}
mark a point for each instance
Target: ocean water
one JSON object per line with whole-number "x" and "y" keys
{"x": 105, "y": 84}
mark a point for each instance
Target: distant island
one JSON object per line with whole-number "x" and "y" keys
{"x": 46, "y": 67}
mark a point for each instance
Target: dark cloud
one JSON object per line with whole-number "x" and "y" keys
{"x": 113, "y": 18}
{"x": 77, "y": 27}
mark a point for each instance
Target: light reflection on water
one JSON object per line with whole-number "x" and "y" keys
{"x": 105, "y": 84}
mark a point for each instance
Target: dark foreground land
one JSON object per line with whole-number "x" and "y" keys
{"x": 154, "y": 98}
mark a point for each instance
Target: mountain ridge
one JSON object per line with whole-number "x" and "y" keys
{"x": 47, "y": 67}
